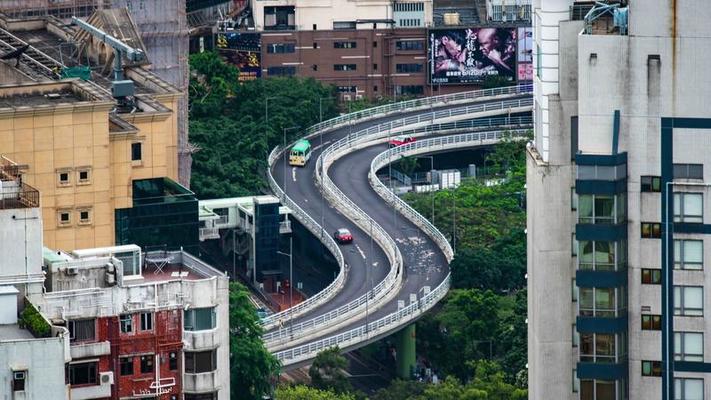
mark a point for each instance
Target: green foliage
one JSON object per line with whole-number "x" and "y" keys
{"x": 228, "y": 123}
{"x": 488, "y": 383}
{"x": 301, "y": 392}
{"x": 407, "y": 164}
{"x": 251, "y": 365}
{"x": 328, "y": 371}
{"x": 487, "y": 309}
{"x": 31, "y": 319}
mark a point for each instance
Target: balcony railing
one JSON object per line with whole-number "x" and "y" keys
{"x": 19, "y": 195}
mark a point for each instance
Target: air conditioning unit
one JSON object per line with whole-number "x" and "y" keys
{"x": 72, "y": 270}
{"x": 347, "y": 97}
{"x": 107, "y": 378}
{"x": 359, "y": 96}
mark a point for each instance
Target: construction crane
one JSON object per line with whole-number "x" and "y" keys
{"x": 121, "y": 88}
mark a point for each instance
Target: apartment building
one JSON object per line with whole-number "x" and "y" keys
{"x": 85, "y": 149}
{"x": 617, "y": 227}
{"x": 99, "y": 323}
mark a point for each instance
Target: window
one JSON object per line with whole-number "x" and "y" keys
{"x": 689, "y": 301}
{"x": 651, "y": 276}
{"x": 314, "y": 26}
{"x": 201, "y": 396}
{"x": 413, "y": 90}
{"x": 688, "y": 346}
{"x": 136, "y": 152}
{"x": 126, "y": 365}
{"x": 346, "y": 89}
{"x": 375, "y": 67}
{"x": 375, "y": 88}
{"x": 651, "y": 230}
{"x": 408, "y": 68}
{"x": 409, "y": 45}
{"x": 84, "y": 217}
{"x": 651, "y": 184}
{"x": 18, "y": 380}
{"x": 601, "y": 209}
{"x": 146, "y": 321}
{"x": 126, "y": 322}
{"x": 83, "y": 176}
{"x": 688, "y": 389}
{"x": 281, "y": 71}
{"x": 344, "y": 45}
{"x": 315, "y": 45}
{"x": 64, "y": 218}
{"x": 173, "y": 361}
{"x": 83, "y": 374}
{"x": 63, "y": 178}
{"x": 688, "y": 207}
{"x": 200, "y": 361}
{"x": 599, "y": 302}
{"x": 597, "y": 347}
{"x": 198, "y": 319}
{"x": 688, "y": 254}
{"x": 688, "y": 171}
{"x": 147, "y": 364}
{"x": 375, "y": 44}
{"x": 651, "y": 322}
{"x": 651, "y": 368}
{"x": 82, "y": 330}
{"x": 597, "y": 389}
{"x": 279, "y": 18}
{"x": 344, "y": 67}
{"x": 602, "y": 256}
{"x": 280, "y": 48}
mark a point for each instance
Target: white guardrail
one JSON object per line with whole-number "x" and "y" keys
{"x": 410, "y": 105}
{"x": 415, "y": 309}
{"x": 277, "y": 337}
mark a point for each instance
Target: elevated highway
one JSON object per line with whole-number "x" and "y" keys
{"x": 398, "y": 265}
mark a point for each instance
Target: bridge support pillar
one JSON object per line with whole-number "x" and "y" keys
{"x": 406, "y": 354}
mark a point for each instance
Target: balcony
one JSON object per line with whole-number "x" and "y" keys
{"x": 201, "y": 340}
{"x": 200, "y": 383}
{"x": 91, "y": 392}
{"x": 84, "y": 350}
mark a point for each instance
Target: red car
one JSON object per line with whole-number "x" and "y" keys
{"x": 400, "y": 140}
{"x": 343, "y": 236}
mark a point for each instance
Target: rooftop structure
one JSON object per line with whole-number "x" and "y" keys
{"x": 83, "y": 147}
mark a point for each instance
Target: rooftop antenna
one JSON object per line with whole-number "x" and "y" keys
{"x": 122, "y": 89}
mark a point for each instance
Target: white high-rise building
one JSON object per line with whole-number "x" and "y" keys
{"x": 617, "y": 222}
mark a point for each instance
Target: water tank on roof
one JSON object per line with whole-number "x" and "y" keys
{"x": 451, "y": 18}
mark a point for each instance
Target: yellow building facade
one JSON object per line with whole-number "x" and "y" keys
{"x": 82, "y": 157}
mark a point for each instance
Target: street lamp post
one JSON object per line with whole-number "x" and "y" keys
{"x": 291, "y": 273}
{"x": 431, "y": 179}
{"x": 266, "y": 122}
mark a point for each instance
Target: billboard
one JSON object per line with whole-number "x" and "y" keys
{"x": 469, "y": 55}
{"x": 524, "y": 53}
{"x": 243, "y": 50}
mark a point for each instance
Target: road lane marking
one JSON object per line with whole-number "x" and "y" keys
{"x": 293, "y": 173}
{"x": 360, "y": 251}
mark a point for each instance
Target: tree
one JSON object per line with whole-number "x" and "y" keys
{"x": 252, "y": 367}
{"x": 400, "y": 390}
{"x": 228, "y": 123}
{"x": 301, "y": 392}
{"x": 327, "y": 371}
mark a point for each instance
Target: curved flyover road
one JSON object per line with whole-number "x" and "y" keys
{"x": 425, "y": 265}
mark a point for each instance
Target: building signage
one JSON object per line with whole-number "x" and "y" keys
{"x": 244, "y": 51}
{"x": 470, "y": 55}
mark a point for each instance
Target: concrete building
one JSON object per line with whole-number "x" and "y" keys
{"x": 617, "y": 236}
{"x": 31, "y": 360}
{"x": 340, "y": 14}
{"x": 140, "y": 324}
{"x": 122, "y": 323}
{"x": 164, "y": 32}
{"x": 85, "y": 151}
